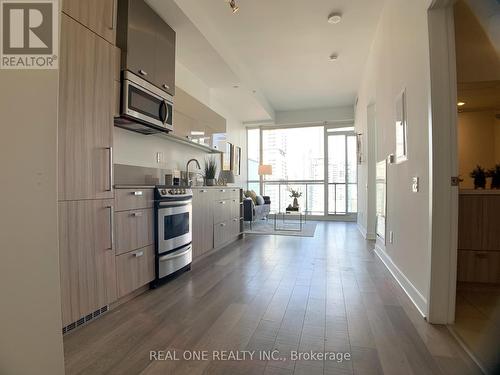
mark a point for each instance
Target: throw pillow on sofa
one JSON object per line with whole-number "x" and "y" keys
{"x": 259, "y": 200}
{"x": 251, "y": 194}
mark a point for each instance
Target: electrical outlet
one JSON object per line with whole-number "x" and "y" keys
{"x": 415, "y": 185}
{"x": 391, "y": 236}
{"x": 159, "y": 157}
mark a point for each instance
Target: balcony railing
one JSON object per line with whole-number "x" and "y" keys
{"x": 341, "y": 197}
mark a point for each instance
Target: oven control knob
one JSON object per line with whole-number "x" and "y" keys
{"x": 176, "y": 191}
{"x": 163, "y": 192}
{"x": 183, "y": 191}
{"x": 171, "y": 191}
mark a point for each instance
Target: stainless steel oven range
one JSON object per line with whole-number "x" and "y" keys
{"x": 173, "y": 237}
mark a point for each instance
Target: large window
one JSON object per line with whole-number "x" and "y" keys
{"x": 298, "y": 158}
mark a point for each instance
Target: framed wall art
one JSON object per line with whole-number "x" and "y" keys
{"x": 236, "y": 160}
{"x": 401, "y": 128}
{"x": 226, "y": 157}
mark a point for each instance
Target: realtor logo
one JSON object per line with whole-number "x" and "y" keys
{"x": 29, "y": 34}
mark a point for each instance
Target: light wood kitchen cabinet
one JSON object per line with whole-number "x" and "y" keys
{"x": 133, "y": 229}
{"x": 134, "y": 270}
{"x": 133, "y": 199}
{"x": 87, "y": 257}
{"x": 216, "y": 218}
{"x": 222, "y": 210}
{"x": 203, "y": 222}
{"x": 478, "y": 266}
{"x": 86, "y": 107}
{"x": 479, "y": 237}
{"x": 226, "y": 231}
{"x": 98, "y": 15}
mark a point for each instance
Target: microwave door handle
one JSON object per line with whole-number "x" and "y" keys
{"x": 167, "y": 111}
{"x": 163, "y": 111}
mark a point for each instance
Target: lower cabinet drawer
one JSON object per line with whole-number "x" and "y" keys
{"x": 226, "y": 231}
{"x": 134, "y": 269}
{"x": 234, "y": 227}
{"x": 222, "y": 210}
{"x": 220, "y": 230}
{"x": 133, "y": 230}
{"x": 234, "y": 205}
{"x": 478, "y": 266}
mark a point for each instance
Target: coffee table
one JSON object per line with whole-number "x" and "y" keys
{"x": 295, "y": 220}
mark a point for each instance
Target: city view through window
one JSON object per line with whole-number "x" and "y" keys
{"x": 297, "y": 156}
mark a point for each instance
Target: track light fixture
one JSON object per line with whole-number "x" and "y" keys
{"x": 233, "y": 6}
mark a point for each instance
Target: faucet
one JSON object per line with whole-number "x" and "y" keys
{"x": 189, "y": 182}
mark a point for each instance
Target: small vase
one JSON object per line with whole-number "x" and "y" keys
{"x": 480, "y": 183}
{"x": 495, "y": 182}
{"x": 295, "y": 203}
{"x": 210, "y": 182}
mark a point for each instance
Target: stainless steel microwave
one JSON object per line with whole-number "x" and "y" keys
{"x": 144, "y": 108}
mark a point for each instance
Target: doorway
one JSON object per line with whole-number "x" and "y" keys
{"x": 341, "y": 171}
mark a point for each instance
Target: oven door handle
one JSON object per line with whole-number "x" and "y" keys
{"x": 175, "y": 204}
{"x": 173, "y": 256}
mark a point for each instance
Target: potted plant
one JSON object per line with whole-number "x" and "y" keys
{"x": 479, "y": 175}
{"x": 210, "y": 171}
{"x": 295, "y": 194}
{"x": 494, "y": 173}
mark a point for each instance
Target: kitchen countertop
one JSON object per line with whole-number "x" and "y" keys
{"x": 132, "y": 186}
{"x": 479, "y": 192}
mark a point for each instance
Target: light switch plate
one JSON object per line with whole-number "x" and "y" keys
{"x": 159, "y": 157}
{"x": 391, "y": 236}
{"x": 415, "y": 185}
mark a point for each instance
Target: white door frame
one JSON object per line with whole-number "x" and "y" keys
{"x": 443, "y": 163}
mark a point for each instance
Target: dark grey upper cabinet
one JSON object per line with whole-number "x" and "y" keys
{"x": 147, "y": 44}
{"x": 165, "y": 57}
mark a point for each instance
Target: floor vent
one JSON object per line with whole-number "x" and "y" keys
{"x": 84, "y": 319}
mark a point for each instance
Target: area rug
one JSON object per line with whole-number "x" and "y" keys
{"x": 267, "y": 227}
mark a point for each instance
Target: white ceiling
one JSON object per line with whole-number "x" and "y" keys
{"x": 278, "y": 48}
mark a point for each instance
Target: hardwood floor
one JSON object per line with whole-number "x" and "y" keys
{"x": 329, "y": 293}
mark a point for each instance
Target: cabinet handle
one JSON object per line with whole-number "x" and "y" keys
{"x": 139, "y": 254}
{"x": 222, "y": 224}
{"x": 143, "y": 72}
{"x": 222, "y": 190}
{"x": 111, "y": 227}
{"x": 110, "y": 166}
{"x": 113, "y": 13}
{"x": 235, "y": 219}
{"x": 137, "y": 193}
{"x": 137, "y": 214}
{"x": 165, "y": 86}
{"x": 203, "y": 191}
{"x": 222, "y": 202}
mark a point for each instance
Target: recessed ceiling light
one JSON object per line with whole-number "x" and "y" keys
{"x": 461, "y": 104}
{"x": 334, "y": 18}
{"x": 333, "y": 57}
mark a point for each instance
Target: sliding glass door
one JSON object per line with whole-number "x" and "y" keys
{"x": 341, "y": 169}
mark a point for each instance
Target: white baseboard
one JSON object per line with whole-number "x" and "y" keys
{"x": 366, "y": 235}
{"x": 415, "y": 296}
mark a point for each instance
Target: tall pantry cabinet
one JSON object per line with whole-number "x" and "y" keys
{"x": 85, "y": 156}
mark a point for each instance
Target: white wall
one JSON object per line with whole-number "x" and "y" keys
{"x": 399, "y": 58}
{"x": 30, "y": 311}
{"x": 478, "y": 143}
{"x": 136, "y": 149}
